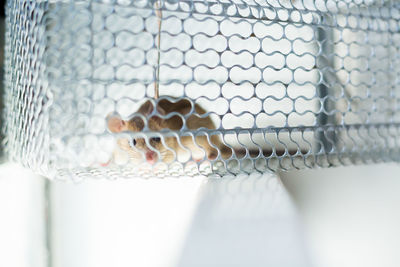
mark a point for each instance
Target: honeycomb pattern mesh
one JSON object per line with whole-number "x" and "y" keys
{"x": 242, "y": 85}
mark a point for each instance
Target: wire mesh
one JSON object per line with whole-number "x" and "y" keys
{"x": 143, "y": 88}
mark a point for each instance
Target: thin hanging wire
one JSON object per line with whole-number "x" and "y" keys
{"x": 158, "y": 10}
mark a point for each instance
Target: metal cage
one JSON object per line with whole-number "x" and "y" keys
{"x": 150, "y": 87}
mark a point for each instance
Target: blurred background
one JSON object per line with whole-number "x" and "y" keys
{"x": 346, "y": 216}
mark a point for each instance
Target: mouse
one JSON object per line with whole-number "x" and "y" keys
{"x": 168, "y": 149}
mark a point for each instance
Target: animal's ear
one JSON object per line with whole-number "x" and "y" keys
{"x": 115, "y": 124}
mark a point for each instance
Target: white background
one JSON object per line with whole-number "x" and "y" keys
{"x": 349, "y": 216}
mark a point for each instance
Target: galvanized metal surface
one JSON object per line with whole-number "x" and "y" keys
{"x": 287, "y": 84}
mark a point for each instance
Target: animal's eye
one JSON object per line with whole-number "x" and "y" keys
{"x": 156, "y": 139}
{"x": 133, "y": 142}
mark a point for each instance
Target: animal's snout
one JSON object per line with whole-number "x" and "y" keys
{"x": 151, "y": 157}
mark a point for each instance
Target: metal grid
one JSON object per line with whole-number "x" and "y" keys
{"x": 243, "y": 85}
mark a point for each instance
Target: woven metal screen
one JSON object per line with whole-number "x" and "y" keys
{"x": 242, "y": 85}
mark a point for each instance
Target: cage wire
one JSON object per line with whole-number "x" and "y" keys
{"x": 165, "y": 87}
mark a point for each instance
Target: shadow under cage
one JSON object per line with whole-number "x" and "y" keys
{"x": 158, "y": 88}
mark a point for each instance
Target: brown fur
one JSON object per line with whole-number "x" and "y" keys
{"x": 198, "y": 150}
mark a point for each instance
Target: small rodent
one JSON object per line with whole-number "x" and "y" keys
{"x": 137, "y": 149}
{"x": 197, "y": 148}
